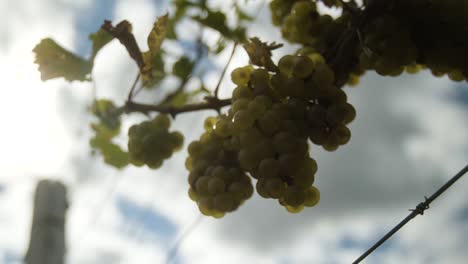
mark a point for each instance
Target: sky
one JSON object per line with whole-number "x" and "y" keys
{"x": 410, "y": 136}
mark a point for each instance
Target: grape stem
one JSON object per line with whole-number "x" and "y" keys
{"x": 212, "y": 103}
{"x": 225, "y": 69}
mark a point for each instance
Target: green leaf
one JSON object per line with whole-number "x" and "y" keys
{"x": 157, "y": 34}
{"x": 215, "y": 20}
{"x": 241, "y": 15}
{"x": 150, "y": 58}
{"x": 100, "y": 38}
{"x": 54, "y": 61}
{"x": 183, "y": 67}
{"x": 112, "y": 153}
{"x": 107, "y": 114}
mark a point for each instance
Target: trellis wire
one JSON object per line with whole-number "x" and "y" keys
{"x": 419, "y": 209}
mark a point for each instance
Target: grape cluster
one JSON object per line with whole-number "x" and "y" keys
{"x": 150, "y": 142}
{"x": 301, "y": 23}
{"x": 391, "y": 47}
{"x": 266, "y": 133}
{"x": 217, "y": 183}
{"x": 391, "y": 41}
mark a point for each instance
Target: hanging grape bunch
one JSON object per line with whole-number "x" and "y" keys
{"x": 150, "y": 142}
{"x": 265, "y": 135}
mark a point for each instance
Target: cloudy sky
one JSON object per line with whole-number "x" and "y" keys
{"x": 410, "y": 135}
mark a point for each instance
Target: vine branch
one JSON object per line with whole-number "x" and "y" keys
{"x": 212, "y": 103}
{"x": 419, "y": 209}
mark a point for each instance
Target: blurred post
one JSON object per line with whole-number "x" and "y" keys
{"x": 47, "y": 241}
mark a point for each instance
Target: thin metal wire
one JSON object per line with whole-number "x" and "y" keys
{"x": 419, "y": 209}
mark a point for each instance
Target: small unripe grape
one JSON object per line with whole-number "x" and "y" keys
{"x": 201, "y": 185}
{"x": 162, "y": 121}
{"x": 209, "y": 123}
{"x": 242, "y": 92}
{"x": 241, "y": 76}
{"x": 303, "y": 67}
{"x": 286, "y": 64}
{"x": 294, "y": 196}
{"x": 222, "y": 128}
{"x": 312, "y": 196}
{"x": 294, "y": 209}
{"x": 215, "y": 185}
{"x": 268, "y": 168}
{"x": 224, "y": 202}
{"x": 193, "y": 195}
{"x": 275, "y": 187}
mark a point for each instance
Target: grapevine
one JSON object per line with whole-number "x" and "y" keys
{"x": 279, "y": 110}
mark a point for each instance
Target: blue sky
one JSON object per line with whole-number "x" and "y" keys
{"x": 410, "y": 135}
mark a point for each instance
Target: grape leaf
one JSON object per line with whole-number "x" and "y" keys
{"x": 217, "y": 21}
{"x": 112, "y": 153}
{"x": 157, "y": 70}
{"x": 107, "y": 114}
{"x": 183, "y": 67}
{"x": 155, "y": 38}
{"x": 100, "y": 38}
{"x": 54, "y": 61}
{"x": 157, "y": 34}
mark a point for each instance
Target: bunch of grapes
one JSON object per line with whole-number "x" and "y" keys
{"x": 150, "y": 142}
{"x": 217, "y": 183}
{"x": 266, "y": 134}
{"x": 301, "y": 23}
{"x": 390, "y": 46}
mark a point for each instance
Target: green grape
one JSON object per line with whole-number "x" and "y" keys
{"x": 216, "y": 185}
{"x": 224, "y": 202}
{"x": 328, "y": 146}
{"x": 294, "y": 209}
{"x": 239, "y": 104}
{"x": 209, "y": 123}
{"x": 259, "y": 80}
{"x": 247, "y": 160}
{"x": 284, "y": 142}
{"x": 250, "y": 136}
{"x": 268, "y": 168}
{"x": 275, "y": 187}
{"x": 294, "y": 196}
{"x": 303, "y": 67}
{"x": 194, "y": 148}
{"x": 177, "y": 140}
{"x": 242, "y": 92}
{"x": 261, "y": 188}
{"x": 242, "y": 120}
{"x": 289, "y": 163}
{"x": 286, "y": 64}
{"x": 162, "y": 121}
{"x": 189, "y": 164}
{"x": 206, "y": 204}
{"x": 201, "y": 185}
{"x": 295, "y": 87}
{"x": 339, "y": 135}
{"x": 222, "y": 128}
{"x": 269, "y": 122}
{"x": 312, "y": 196}
{"x": 257, "y": 108}
{"x": 241, "y": 76}
{"x": 193, "y": 195}
{"x": 323, "y": 76}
